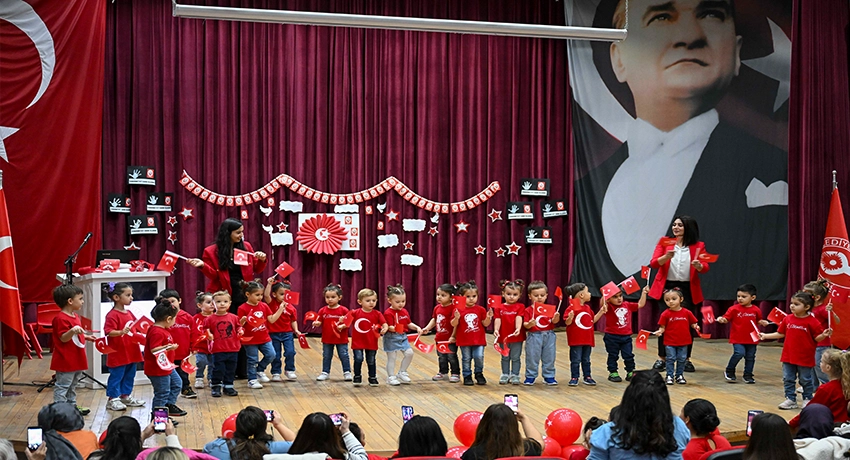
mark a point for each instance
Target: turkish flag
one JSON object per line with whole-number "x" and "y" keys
{"x": 559, "y": 293}
{"x": 642, "y": 337}
{"x": 494, "y": 301}
{"x": 376, "y": 329}
{"x": 311, "y": 316}
{"x": 255, "y": 321}
{"x": 443, "y": 347}
{"x": 667, "y": 241}
{"x": 459, "y": 302}
{"x": 142, "y": 325}
{"x": 423, "y": 347}
{"x": 137, "y": 337}
{"x": 835, "y": 266}
{"x": 542, "y": 309}
{"x": 630, "y": 285}
{"x": 609, "y": 290}
{"x": 303, "y": 342}
{"x": 292, "y": 297}
{"x": 241, "y": 257}
{"x": 776, "y": 315}
{"x": 708, "y": 314}
{"x": 283, "y": 270}
{"x": 109, "y": 264}
{"x": 162, "y": 360}
{"x": 187, "y": 366}
{"x": 412, "y": 337}
{"x": 644, "y": 272}
{"x": 502, "y": 351}
{"x": 707, "y": 257}
{"x": 102, "y": 346}
{"x": 166, "y": 264}
{"x": 247, "y": 339}
{"x": 11, "y": 313}
{"x": 838, "y": 294}
{"x": 348, "y": 318}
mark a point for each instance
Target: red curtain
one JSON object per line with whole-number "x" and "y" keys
{"x": 236, "y": 104}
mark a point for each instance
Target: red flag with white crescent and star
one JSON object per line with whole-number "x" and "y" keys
{"x": 11, "y": 311}
{"x": 642, "y": 337}
{"x": 835, "y": 266}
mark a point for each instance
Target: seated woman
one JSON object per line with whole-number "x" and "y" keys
{"x": 498, "y": 436}
{"x": 700, "y": 416}
{"x": 815, "y": 438}
{"x": 771, "y": 439}
{"x": 642, "y": 427}
{"x": 421, "y": 437}
{"x": 251, "y": 440}
{"x": 318, "y": 434}
{"x": 64, "y": 436}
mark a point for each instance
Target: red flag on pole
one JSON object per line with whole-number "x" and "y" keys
{"x": 644, "y": 272}
{"x": 776, "y": 315}
{"x": 283, "y": 270}
{"x": 835, "y": 264}
{"x": 642, "y": 337}
{"x": 630, "y": 285}
{"x": 11, "y": 309}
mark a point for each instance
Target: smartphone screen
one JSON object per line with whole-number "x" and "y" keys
{"x": 336, "y": 418}
{"x": 33, "y": 437}
{"x": 512, "y": 401}
{"x": 406, "y": 413}
{"x": 750, "y": 415}
{"x": 269, "y": 415}
{"x": 160, "y": 417}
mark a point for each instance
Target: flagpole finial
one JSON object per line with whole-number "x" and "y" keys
{"x": 1, "y": 178}
{"x": 834, "y": 179}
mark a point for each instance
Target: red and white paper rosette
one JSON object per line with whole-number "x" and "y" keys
{"x": 322, "y": 235}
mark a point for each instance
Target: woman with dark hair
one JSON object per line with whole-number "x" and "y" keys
{"x": 318, "y": 434}
{"x": 251, "y": 440}
{"x": 700, "y": 416}
{"x": 498, "y": 436}
{"x": 421, "y": 437}
{"x": 678, "y": 267}
{"x": 771, "y": 439}
{"x": 123, "y": 440}
{"x": 643, "y": 427}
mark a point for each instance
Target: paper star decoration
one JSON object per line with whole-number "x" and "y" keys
{"x": 172, "y": 237}
{"x": 281, "y": 227}
{"x": 513, "y": 248}
{"x": 172, "y": 220}
{"x": 132, "y": 246}
{"x": 479, "y": 250}
{"x": 408, "y": 246}
{"x": 500, "y": 252}
{"x": 495, "y": 215}
{"x": 776, "y": 65}
{"x": 462, "y": 226}
{"x": 392, "y": 215}
{"x": 433, "y": 231}
{"x": 187, "y": 213}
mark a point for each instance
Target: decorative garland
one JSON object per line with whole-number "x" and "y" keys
{"x": 390, "y": 183}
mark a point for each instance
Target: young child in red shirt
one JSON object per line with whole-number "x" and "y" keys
{"x": 674, "y": 323}
{"x": 223, "y": 334}
{"x": 469, "y": 324}
{"x": 334, "y": 334}
{"x": 580, "y": 334}
{"x": 254, "y": 314}
{"x": 802, "y": 332}
{"x": 200, "y": 344}
{"x": 744, "y": 317}
{"x": 282, "y": 331}
{"x": 821, "y": 311}
{"x": 69, "y": 347}
{"x": 122, "y": 362}
{"x": 509, "y": 331}
{"x": 367, "y": 325}
{"x": 182, "y": 332}
{"x": 441, "y": 319}
{"x": 541, "y": 344}
{"x": 159, "y": 358}
{"x": 835, "y": 393}
{"x": 395, "y": 340}
{"x": 618, "y": 333}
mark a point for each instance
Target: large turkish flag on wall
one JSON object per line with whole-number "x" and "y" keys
{"x": 835, "y": 266}
{"x": 51, "y": 106}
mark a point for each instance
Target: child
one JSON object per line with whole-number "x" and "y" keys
{"x": 540, "y": 341}
{"x": 121, "y": 362}
{"x": 579, "y": 334}
{"x": 508, "y": 329}
{"x": 165, "y": 381}
{"x": 69, "y": 351}
{"x": 257, "y": 338}
{"x": 835, "y": 393}
{"x": 469, "y": 332}
{"x": 591, "y": 424}
{"x": 201, "y": 348}
{"x": 801, "y": 331}
{"x": 332, "y": 333}
{"x": 743, "y": 316}
{"x": 674, "y": 323}
{"x": 282, "y": 331}
{"x": 618, "y": 333}
{"x": 395, "y": 340}
{"x": 223, "y": 334}
{"x": 441, "y": 319}
{"x": 368, "y": 325}
{"x": 182, "y": 332}
{"x": 821, "y": 312}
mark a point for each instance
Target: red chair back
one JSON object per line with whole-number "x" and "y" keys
{"x": 45, "y": 312}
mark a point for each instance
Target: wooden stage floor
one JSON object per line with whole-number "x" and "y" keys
{"x": 378, "y": 409}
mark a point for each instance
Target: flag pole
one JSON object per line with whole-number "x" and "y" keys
{"x": 834, "y": 180}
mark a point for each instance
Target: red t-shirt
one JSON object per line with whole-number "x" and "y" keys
{"x": 259, "y": 334}
{"x": 544, "y": 323}
{"x": 830, "y": 395}
{"x": 470, "y": 331}
{"x": 398, "y": 318}
{"x": 181, "y": 332}
{"x": 68, "y": 356}
{"x": 363, "y": 335}
{"x": 698, "y": 446}
{"x": 508, "y": 314}
{"x": 284, "y": 322}
{"x": 580, "y": 332}
{"x": 126, "y": 352}
{"x": 202, "y": 346}
{"x": 800, "y": 333}
{"x": 443, "y": 320}
{"x": 677, "y": 324}
{"x": 225, "y": 331}
{"x": 618, "y": 318}
{"x": 157, "y": 337}
{"x": 329, "y": 317}
{"x": 741, "y": 320}
{"x": 822, "y": 316}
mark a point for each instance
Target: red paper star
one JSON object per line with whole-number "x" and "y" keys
{"x": 500, "y": 252}
{"x": 172, "y": 220}
{"x": 187, "y": 213}
{"x": 479, "y": 250}
{"x": 281, "y": 227}
{"x": 132, "y": 246}
{"x": 408, "y": 246}
{"x": 462, "y": 226}
{"x": 433, "y": 231}
{"x": 392, "y": 215}
{"x": 513, "y": 248}
{"x": 495, "y": 215}
{"x": 172, "y": 237}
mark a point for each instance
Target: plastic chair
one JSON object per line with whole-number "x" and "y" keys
{"x": 45, "y": 312}
{"x": 730, "y": 453}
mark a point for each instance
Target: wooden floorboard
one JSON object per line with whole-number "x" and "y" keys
{"x": 378, "y": 409}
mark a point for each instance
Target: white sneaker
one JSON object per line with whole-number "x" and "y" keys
{"x": 276, "y": 378}
{"x": 800, "y": 390}
{"x": 347, "y": 376}
{"x": 199, "y": 383}
{"x": 290, "y": 375}
{"x": 393, "y": 380}
{"x": 132, "y": 402}
{"x": 404, "y": 377}
{"x": 261, "y": 376}
{"x": 788, "y": 405}
{"x": 322, "y": 376}
{"x": 115, "y": 404}
{"x": 254, "y": 385}
{"x": 806, "y": 402}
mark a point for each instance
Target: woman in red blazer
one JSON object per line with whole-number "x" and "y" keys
{"x": 684, "y": 275}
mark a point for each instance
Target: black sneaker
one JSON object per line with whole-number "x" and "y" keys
{"x": 175, "y": 411}
{"x": 216, "y": 391}
{"x": 358, "y": 380}
{"x": 230, "y": 391}
{"x": 173, "y": 422}
{"x": 629, "y": 376}
{"x": 749, "y": 379}
{"x": 83, "y": 410}
{"x": 730, "y": 376}
{"x": 373, "y": 381}
{"x": 659, "y": 365}
{"x": 479, "y": 379}
{"x": 188, "y": 393}
{"x": 467, "y": 380}
{"x": 689, "y": 366}
{"x": 615, "y": 377}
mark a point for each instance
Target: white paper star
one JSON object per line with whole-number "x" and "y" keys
{"x": 495, "y": 215}
{"x": 172, "y": 236}
{"x": 172, "y": 220}
{"x": 132, "y": 246}
{"x": 479, "y": 250}
{"x": 462, "y": 226}
{"x": 408, "y": 246}
{"x": 776, "y": 65}
{"x": 513, "y": 248}
{"x": 187, "y": 213}
{"x": 500, "y": 252}
{"x": 392, "y": 215}
{"x": 433, "y": 231}
{"x": 5, "y": 131}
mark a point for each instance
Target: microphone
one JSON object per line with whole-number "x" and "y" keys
{"x": 88, "y": 237}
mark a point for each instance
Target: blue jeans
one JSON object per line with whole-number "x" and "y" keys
{"x": 748, "y": 352}
{"x": 328, "y": 355}
{"x": 676, "y": 356}
{"x": 469, "y": 353}
{"x": 790, "y": 372}
{"x": 251, "y": 353}
{"x": 120, "y": 382}
{"x": 448, "y": 361}
{"x": 285, "y": 339}
{"x": 580, "y": 356}
{"x": 510, "y": 363}
{"x": 224, "y": 368}
{"x": 166, "y": 388}
{"x": 65, "y": 389}
{"x": 820, "y": 375}
{"x": 615, "y": 345}
{"x": 540, "y": 351}
{"x": 205, "y": 362}
{"x": 370, "y": 362}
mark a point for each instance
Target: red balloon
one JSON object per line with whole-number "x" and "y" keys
{"x": 568, "y": 450}
{"x": 551, "y": 448}
{"x": 228, "y": 427}
{"x": 465, "y": 426}
{"x": 455, "y": 452}
{"x": 564, "y": 425}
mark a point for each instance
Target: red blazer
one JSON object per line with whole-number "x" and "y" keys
{"x": 220, "y": 279}
{"x": 661, "y": 277}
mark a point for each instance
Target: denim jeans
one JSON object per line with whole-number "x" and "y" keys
{"x": 287, "y": 341}
{"x": 615, "y": 345}
{"x": 820, "y": 376}
{"x": 510, "y": 363}
{"x": 328, "y": 355}
{"x": 448, "y": 361}
{"x": 790, "y": 372}
{"x": 469, "y": 353}
{"x": 120, "y": 381}
{"x": 166, "y": 388}
{"x": 252, "y": 354}
{"x": 370, "y": 362}
{"x": 65, "y": 389}
{"x": 224, "y": 368}
{"x": 540, "y": 348}
{"x": 676, "y": 356}
{"x": 205, "y": 362}
{"x": 748, "y": 353}
{"x": 580, "y": 356}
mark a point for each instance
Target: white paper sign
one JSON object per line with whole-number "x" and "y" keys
{"x": 281, "y": 239}
{"x": 387, "y": 241}
{"x": 346, "y": 208}
{"x": 410, "y": 259}
{"x": 354, "y": 265}
{"x": 413, "y": 225}
{"x": 291, "y": 206}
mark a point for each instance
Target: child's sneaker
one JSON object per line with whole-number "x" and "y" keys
{"x": 322, "y": 376}
{"x": 689, "y": 366}
{"x": 115, "y": 404}
{"x": 199, "y": 383}
{"x": 393, "y": 380}
{"x": 749, "y": 379}
{"x": 681, "y": 380}
{"x": 589, "y": 381}
{"x": 373, "y": 382}
{"x": 615, "y": 377}
{"x": 130, "y": 401}
{"x": 215, "y": 391}
{"x": 276, "y": 378}
{"x": 503, "y": 379}
{"x": 806, "y": 402}
{"x": 669, "y": 380}
{"x": 290, "y": 375}
{"x": 83, "y": 410}
{"x": 630, "y": 375}
{"x": 729, "y": 376}
{"x": 174, "y": 411}
{"x": 254, "y": 384}
{"x": 467, "y": 380}
{"x": 550, "y": 381}
{"x": 529, "y": 381}
{"x": 788, "y": 404}
{"x": 479, "y": 379}
{"x": 230, "y": 391}
{"x": 404, "y": 377}
{"x": 358, "y": 380}
{"x": 573, "y": 382}
{"x": 454, "y": 378}
{"x": 514, "y": 380}
{"x": 261, "y": 377}
{"x": 346, "y": 376}
{"x": 659, "y": 365}
{"x": 437, "y": 377}
{"x": 188, "y": 393}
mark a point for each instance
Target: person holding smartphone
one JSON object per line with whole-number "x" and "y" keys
{"x": 318, "y": 433}
{"x": 251, "y": 438}
{"x": 498, "y": 436}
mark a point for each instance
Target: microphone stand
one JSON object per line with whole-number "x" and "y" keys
{"x": 69, "y": 262}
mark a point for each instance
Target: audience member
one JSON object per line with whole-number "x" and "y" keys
{"x": 7, "y": 452}
{"x": 591, "y": 424}
{"x": 815, "y": 421}
{"x": 168, "y": 453}
{"x": 700, "y": 416}
{"x": 771, "y": 439}
{"x": 421, "y": 437}
{"x": 361, "y": 436}
{"x": 62, "y": 428}
{"x": 251, "y": 440}
{"x": 498, "y": 436}
{"x": 318, "y": 434}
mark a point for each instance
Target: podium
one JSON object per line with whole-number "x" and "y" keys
{"x": 96, "y": 304}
